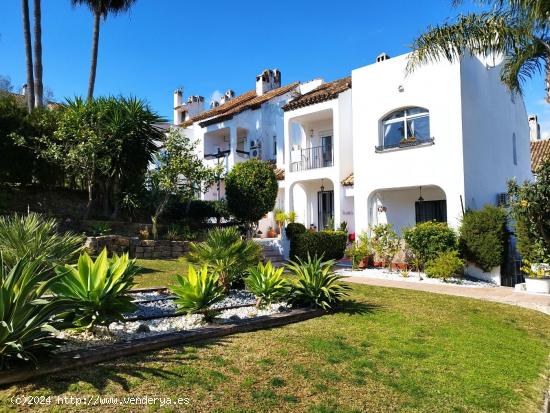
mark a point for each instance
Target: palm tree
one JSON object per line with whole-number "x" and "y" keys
{"x": 38, "y": 85}
{"x": 28, "y": 54}
{"x": 517, "y": 29}
{"x": 100, "y": 9}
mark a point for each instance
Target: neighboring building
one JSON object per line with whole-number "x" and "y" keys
{"x": 380, "y": 146}
{"x": 534, "y": 128}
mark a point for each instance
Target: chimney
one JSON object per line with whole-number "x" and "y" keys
{"x": 268, "y": 80}
{"x": 230, "y": 94}
{"x": 178, "y": 112}
{"x": 214, "y": 104}
{"x": 382, "y": 57}
{"x": 195, "y": 106}
{"x": 24, "y": 90}
{"x": 534, "y": 128}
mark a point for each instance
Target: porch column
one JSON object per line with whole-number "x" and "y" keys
{"x": 338, "y": 198}
{"x": 289, "y": 199}
{"x": 232, "y": 147}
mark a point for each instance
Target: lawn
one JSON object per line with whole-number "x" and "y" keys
{"x": 160, "y": 273}
{"x": 391, "y": 350}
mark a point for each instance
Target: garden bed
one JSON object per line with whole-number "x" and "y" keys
{"x": 156, "y": 314}
{"x": 81, "y": 350}
{"x": 414, "y": 277}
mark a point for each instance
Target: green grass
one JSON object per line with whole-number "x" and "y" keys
{"x": 391, "y": 350}
{"x": 160, "y": 273}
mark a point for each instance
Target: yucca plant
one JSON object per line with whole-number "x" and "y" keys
{"x": 267, "y": 284}
{"x": 226, "y": 254}
{"x": 27, "y": 321}
{"x": 98, "y": 291}
{"x": 317, "y": 285}
{"x": 36, "y": 238}
{"x": 197, "y": 291}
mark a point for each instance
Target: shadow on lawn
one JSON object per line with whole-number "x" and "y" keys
{"x": 352, "y": 307}
{"x": 123, "y": 370}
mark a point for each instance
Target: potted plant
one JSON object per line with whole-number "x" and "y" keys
{"x": 537, "y": 278}
{"x": 280, "y": 219}
{"x": 409, "y": 141}
{"x": 271, "y": 233}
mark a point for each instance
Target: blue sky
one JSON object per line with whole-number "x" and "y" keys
{"x": 213, "y": 46}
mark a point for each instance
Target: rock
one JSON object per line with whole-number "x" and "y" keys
{"x": 143, "y": 328}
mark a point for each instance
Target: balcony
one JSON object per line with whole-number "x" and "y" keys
{"x": 312, "y": 158}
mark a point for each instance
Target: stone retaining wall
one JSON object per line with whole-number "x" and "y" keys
{"x": 137, "y": 248}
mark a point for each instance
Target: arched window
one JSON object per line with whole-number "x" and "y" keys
{"x": 408, "y": 125}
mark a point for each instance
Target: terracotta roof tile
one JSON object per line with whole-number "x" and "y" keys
{"x": 324, "y": 92}
{"x": 348, "y": 181}
{"x": 248, "y": 100}
{"x": 540, "y": 151}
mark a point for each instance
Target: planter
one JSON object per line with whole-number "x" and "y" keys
{"x": 271, "y": 234}
{"x": 363, "y": 263}
{"x": 537, "y": 285}
{"x": 492, "y": 276}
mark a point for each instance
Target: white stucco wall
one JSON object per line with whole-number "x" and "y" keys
{"x": 376, "y": 93}
{"x": 490, "y": 118}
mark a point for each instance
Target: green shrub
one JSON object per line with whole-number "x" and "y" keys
{"x": 385, "y": 243}
{"x": 294, "y": 229}
{"x": 251, "y": 190}
{"x": 26, "y": 320}
{"x": 445, "y": 265}
{"x": 197, "y": 291}
{"x": 96, "y": 290}
{"x": 100, "y": 228}
{"x": 530, "y": 207}
{"x": 317, "y": 284}
{"x": 429, "y": 239}
{"x": 226, "y": 254}
{"x": 483, "y": 237}
{"x": 35, "y": 237}
{"x": 327, "y": 244}
{"x": 266, "y": 283}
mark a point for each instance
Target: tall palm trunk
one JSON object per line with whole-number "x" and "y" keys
{"x": 38, "y": 85}
{"x": 95, "y": 46}
{"x": 28, "y": 54}
{"x": 548, "y": 78}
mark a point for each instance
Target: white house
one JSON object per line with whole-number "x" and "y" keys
{"x": 380, "y": 146}
{"x": 238, "y": 128}
{"x": 405, "y": 148}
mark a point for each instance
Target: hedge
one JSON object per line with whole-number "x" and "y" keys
{"x": 429, "y": 239}
{"x": 328, "y": 244}
{"x": 484, "y": 237}
{"x": 293, "y": 229}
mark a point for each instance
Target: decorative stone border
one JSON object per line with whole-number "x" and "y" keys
{"x": 85, "y": 357}
{"x": 135, "y": 247}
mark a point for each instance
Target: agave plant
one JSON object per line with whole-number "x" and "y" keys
{"x": 27, "y": 321}
{"x": 317, "y": 285}
{"x": 36, "y": 238}
{"x": 197, "y": 291}
{"x": 98, "y": 291}
{"x": 225, "y": 254}
{"x": 267, "y": 284}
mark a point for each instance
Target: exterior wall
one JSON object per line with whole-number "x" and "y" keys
{"x": 378, "y": 90}
{"x": 331, "y": 117}
{"x": 490, "y": 117}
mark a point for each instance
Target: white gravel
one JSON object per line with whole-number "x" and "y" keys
{"x": 123, "y": 331}
{"x": 413, "y": 277}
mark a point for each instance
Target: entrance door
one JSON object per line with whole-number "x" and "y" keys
{"x": 325, "y": 207}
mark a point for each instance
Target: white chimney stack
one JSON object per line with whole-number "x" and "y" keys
{"x": 534, "y": 128}
{"x": 178, "y": 100}
{"x": 195, "y": 106}
{"x": 267, "y": 81}
{"x": 382, "y": 57}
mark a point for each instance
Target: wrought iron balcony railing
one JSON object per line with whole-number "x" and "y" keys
{"x": 313, "y": 158}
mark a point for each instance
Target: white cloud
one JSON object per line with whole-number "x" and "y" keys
{"x": 216, "y": 95}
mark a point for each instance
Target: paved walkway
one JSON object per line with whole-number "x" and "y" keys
{"x": 505, "y": 295}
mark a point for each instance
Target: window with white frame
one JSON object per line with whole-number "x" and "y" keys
{"x": 406, "y": 125}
